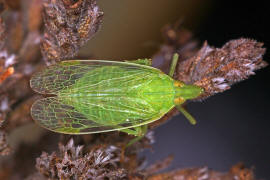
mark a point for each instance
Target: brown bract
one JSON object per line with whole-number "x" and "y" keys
{"x": 2, "y": 32}
{"x": 71, "y": 163}
{"x": 68, "y": 26}
{"x": 217, "y": 69}
{"x": 104, "y": 162}
{"x": 4, "y": 147}
{"x": 214, "y": 69}
{"x": 237, "y": 172}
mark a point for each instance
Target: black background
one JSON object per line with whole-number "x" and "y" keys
{"x": 232, "y": 126}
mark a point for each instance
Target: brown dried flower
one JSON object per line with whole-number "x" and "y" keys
{"x": 4, "y": 147}
{"x": 205, "y": 173}
{"x": 104, "y": 162}
{"x": 2, "y": 33}
{"x": 68, "y": 26}
{"x": 217, "y": 69}
{"x": 214, "y": 69}
{"x": 70, "y": 163}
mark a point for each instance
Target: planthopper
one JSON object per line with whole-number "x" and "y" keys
{"x": 94, "y": 96}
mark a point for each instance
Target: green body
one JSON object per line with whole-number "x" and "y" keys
{"x": 98, "y": 96}
{"x": 119, "y": 96}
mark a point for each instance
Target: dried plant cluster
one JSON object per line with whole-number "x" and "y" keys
{"x": 4, "y": 147}
{"x": 217, "y": 69}
{"x": 68, "y": 25}
{"x": 214, "y": 69}
{"x": 106, "y": 162}
{"x": 70, "y": 163}
{"x": 38, "y": 32}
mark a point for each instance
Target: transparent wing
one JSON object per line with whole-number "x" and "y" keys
{"x": 62, "y": 75}
{"x": 52, "y": 114}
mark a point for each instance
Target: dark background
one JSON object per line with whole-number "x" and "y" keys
{"x": 233, "y": 126}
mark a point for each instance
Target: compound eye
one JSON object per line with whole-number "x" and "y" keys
{"x": 178, "y": 84}
{"x": 178, "y": 101}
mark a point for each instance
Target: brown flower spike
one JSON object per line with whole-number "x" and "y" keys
{"x": 217, "y": 69}
{"x": 4, "y": 147}
{"x": 68, "y": 26}
{"x": 70, "y": 163}
{"x": 103, "y": 162}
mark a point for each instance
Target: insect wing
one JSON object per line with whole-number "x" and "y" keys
{"x": 52, "y": 114}
{"x": 64, "y": 74}
{"x": 57, "y": 115}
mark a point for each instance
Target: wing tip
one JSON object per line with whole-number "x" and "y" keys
{"x": 36, "y": 84}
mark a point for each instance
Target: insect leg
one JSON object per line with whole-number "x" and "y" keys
{"x": 146, "y": 62}
{"x": 139, "y": 132}
{"x": 190, "y": 118}
{"x": 130, "y": 132}
{"x": 173, "y": 64}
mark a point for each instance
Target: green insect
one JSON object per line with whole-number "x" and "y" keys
{"x": 94, "y": 96}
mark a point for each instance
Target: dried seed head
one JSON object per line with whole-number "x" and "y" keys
{"x": 70, "y": 163}
{"x": 2, "y": 33}
{"x": 4, "y": 147}
{"x": 68, "y": 26}
{"x": 217, "y": 69}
